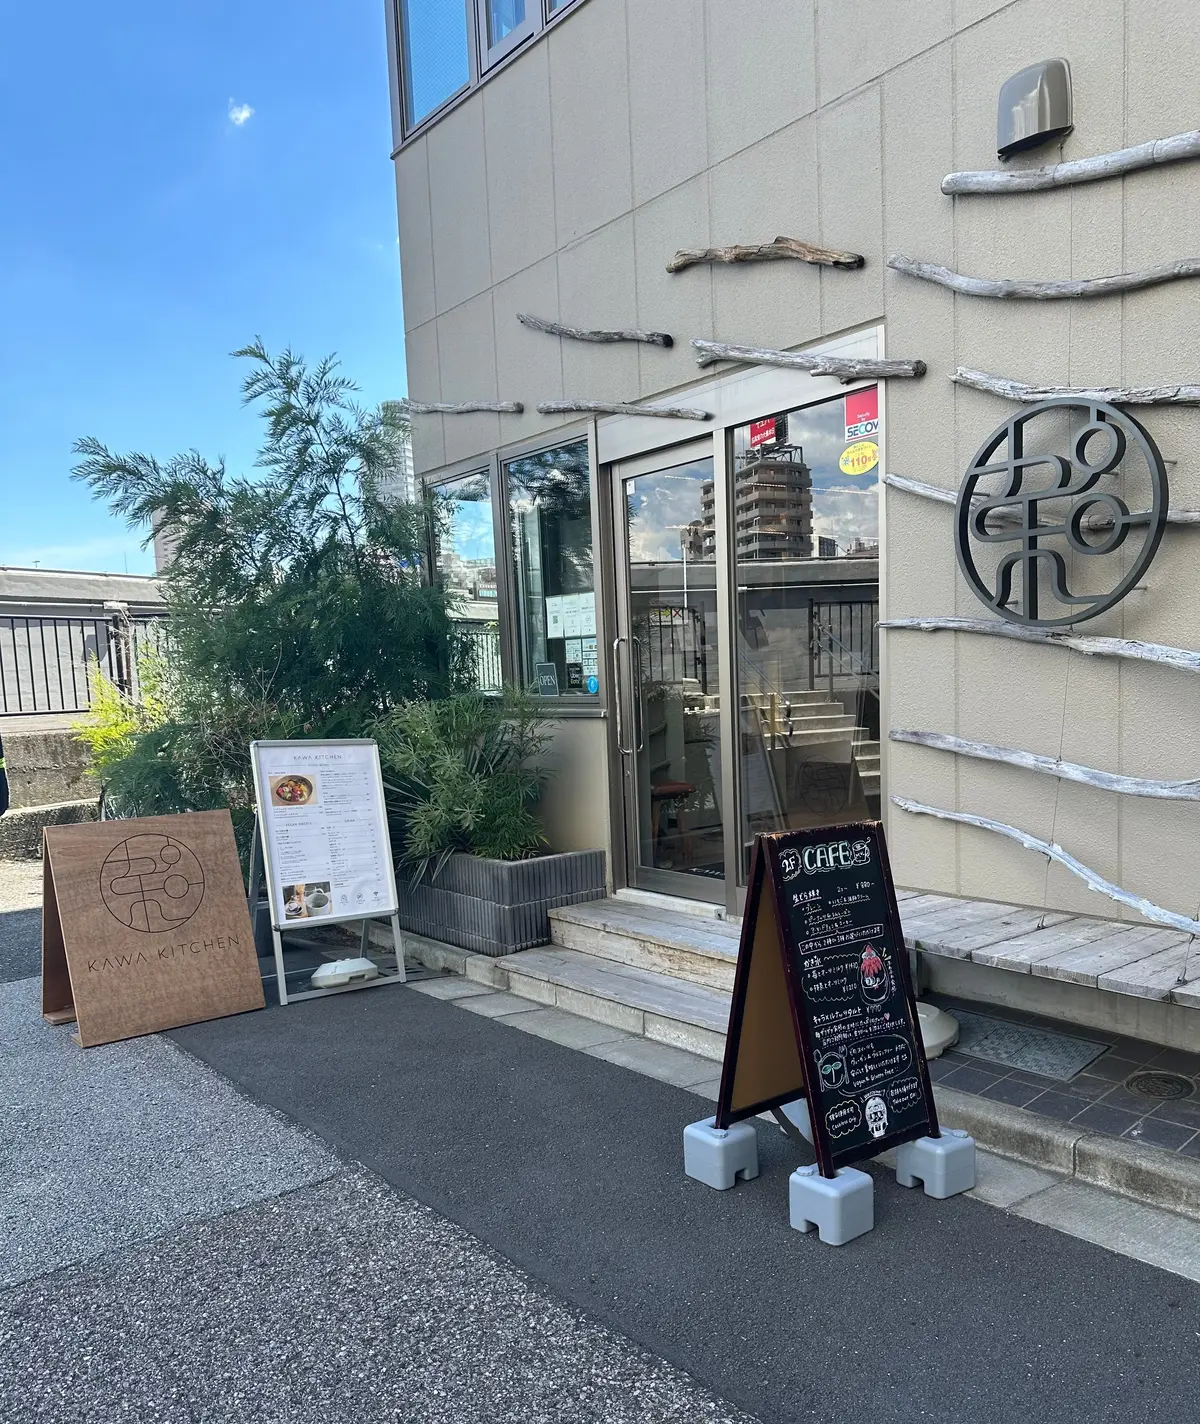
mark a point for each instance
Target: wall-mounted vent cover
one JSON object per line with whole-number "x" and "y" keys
{"x": 1035, "y": 106}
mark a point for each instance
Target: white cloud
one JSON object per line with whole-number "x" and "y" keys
{"x": 239, "y": 113}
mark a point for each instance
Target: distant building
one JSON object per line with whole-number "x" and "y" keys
{"x": 166, "y": 541}
{"x": 399, "y": 483}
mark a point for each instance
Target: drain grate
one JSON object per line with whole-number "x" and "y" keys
{"x": 1166, "y": 1086}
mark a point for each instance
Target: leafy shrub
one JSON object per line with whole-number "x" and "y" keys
{"x": 458, "y": 776}
{"x": 295, "y": 593}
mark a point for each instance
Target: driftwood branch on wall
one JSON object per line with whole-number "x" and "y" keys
{"x": 1052, "y": 766}
{"x": 845, "y": 369}
{"x": 666, "y": 412}
{"x": 578, "y": 333}
{"x": 926, "y": 491}
{"x": 1019, "y": 289}
{"x": 1111, "y": 395}
{"x": 998, "y": 517}
{"x": 465, "y": 407}
{"x": 1182, "y": 659}
{"x": 1091, "y": 878}
{"x": 782, "y": 247}
{"x": 1079, "y": 170}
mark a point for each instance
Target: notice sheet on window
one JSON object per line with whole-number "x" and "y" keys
{"x": 324, "y": 830}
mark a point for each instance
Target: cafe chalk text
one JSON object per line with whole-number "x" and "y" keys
{"x": 219, "y": 944}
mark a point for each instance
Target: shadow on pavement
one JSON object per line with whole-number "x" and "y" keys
{"x": 20, "y": 944}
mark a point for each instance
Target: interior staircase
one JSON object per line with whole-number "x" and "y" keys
{"x": 866, "y": 763}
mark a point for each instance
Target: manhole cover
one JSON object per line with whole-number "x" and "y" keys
{"x": 1161, "y": 1085}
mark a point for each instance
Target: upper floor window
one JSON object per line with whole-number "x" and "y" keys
{"x": 435, "y": 54}
{"x": 447, "y": 46}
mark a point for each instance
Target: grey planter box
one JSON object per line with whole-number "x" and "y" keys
{"x": 498, "y": 906}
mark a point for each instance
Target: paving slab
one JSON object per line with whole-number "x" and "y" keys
{"x": 1147, "y": 1233}
{"x": 657, "y": 1060}
{"x": 102, "y": 1147}
{"x": 570, "y": 1030}
{"x": 345, "y": 1301}
{"x": 497, "y": 1005}
{"x": 450, "y": 988}
{"x": 1002, "y": 1183}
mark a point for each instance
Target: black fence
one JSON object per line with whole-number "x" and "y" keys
{"x": 843, "y": 637}
{"x": 50, "y": 664}
{"x": 484, "y": 642}
{"x": 673, "y": 648}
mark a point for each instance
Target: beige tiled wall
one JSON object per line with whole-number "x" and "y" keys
{"x": 565, "y": 184}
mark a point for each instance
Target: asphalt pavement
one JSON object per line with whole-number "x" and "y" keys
{"x": 570, "y": 1167}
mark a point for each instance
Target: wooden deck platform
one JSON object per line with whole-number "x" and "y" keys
{"x": 1142, "y": 960}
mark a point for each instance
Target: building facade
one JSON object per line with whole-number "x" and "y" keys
{"x": 699, "y": 599}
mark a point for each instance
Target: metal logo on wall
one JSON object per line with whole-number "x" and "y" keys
{"x": 1051, "y": 506}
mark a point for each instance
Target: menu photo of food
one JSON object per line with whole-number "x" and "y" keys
{"x": 307, "y": 902}
{"x": 292, "y": 789}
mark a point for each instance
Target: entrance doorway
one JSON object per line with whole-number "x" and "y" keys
{"x": 667, "y": 660}
{"x": 747, "y": 655}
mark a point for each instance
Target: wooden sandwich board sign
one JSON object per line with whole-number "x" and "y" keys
{"x": 823, "y": 1006}
{"x": 145, "y": 926}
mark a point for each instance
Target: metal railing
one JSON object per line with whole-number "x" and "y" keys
{"x": 840, "y": 633}
{"x": 673, "y": 642}
{"x": 49, "y": 664}
{"x": 483, "y": 640}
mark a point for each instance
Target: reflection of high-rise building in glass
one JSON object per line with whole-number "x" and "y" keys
{"x": 863, "y": 549}
{"x": 398, "y": 482}
{"x": 772, "y": 507}
{"x": 772, "y": 504}
{"x": 692, "y": 538}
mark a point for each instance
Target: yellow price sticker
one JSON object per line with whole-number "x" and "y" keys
{"x": 858, "y": 458}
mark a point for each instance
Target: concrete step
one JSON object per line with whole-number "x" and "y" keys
{"x": 690, "y": 948}
{"x": 639, "y": 1001}
{"x": 805, "y": 696}
{"x": 21, "y": 829}
{"x": 820, "y": 721}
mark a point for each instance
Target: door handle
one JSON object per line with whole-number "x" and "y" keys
{"x": 638, "y": 718}
{"x": 618, "y": 686}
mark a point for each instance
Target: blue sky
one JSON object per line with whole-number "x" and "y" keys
{"x": 149, "y": 225}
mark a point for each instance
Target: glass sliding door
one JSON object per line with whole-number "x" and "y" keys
{"x": 804, "y": 525}
{"x": 667, "y": 673}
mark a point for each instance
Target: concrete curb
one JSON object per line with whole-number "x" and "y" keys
{"x": 1131, "y": 1169}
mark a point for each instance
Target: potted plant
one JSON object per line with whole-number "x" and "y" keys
{"x": 461, "y": 787}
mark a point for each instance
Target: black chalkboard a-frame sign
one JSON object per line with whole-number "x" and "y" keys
{"x": 823, "y": 1005}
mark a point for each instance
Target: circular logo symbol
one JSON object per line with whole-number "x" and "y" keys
{"x": 1034, "y": 527}
{"x": 593, "y": 683}
{"x": 151, "y": 883}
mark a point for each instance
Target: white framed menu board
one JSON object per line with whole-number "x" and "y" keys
{"x": 323, "y": 837}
